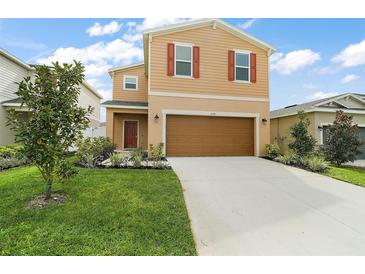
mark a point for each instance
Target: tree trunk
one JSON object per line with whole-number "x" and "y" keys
{"x": 48, "y": 188}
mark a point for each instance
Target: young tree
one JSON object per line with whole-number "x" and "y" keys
{"x": 343, "y": 140}
{"x": 303, "y": 143}
{"x": 56, "y": 120}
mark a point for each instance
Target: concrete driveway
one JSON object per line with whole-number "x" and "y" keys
{"x": 252, "y": 206}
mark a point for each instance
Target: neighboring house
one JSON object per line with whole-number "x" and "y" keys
{"x": 202, "y": 90}
{"x": 321, "y": 113}
{"x": 96, "y": 131}
{"x": 14, "y": 70}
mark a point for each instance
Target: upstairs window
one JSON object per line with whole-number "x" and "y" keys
{"x": 130, "y": 82}
{"x": 242, "y": 66}
{"x": 183, "y": 60}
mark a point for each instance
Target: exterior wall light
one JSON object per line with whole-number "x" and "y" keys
{"x": 264, "y": 120}
{"x": 156, "y": 117}
{"x": 320, "y": 127}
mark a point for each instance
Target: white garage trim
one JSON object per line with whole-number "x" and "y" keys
{"x": 166, "y": 112}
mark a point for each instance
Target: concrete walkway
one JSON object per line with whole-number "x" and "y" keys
{"x": 357, "y": 163}
{"x": 252, "y": 206}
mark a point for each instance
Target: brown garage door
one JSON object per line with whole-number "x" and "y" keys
{"x": 209, "y": 136}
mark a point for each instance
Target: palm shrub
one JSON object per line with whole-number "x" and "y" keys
{"x": 343, "y": 140}
{"x": 314, "y": 163}
{"x": 116, "y": 159}
{"x": 137, "y": 156}
{"x": 289, "y": 158}
{"x": 302, "y": 142}
{"x": 56, "y": 119}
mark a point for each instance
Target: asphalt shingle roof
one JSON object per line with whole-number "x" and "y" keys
{"x": 13, "y": 101}
{"x": 125, "y": 103}
{"x": 306, "y": 106}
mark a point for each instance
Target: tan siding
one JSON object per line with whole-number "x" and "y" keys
{"x": 114, "y": 122}
{"x": 139, "y": 95}
{"x": 214, "y": 46}
{"x": 280, "y": 128}
{"x": 142, "y": 130}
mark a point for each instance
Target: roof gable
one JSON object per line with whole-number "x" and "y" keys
{"x": 214, "y": 23}
{"x": 348, "y": 101}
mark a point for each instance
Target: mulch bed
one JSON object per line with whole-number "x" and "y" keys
{"x": 41, "y": 201}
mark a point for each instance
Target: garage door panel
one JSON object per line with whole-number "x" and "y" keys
{"x": 209, "y": 136}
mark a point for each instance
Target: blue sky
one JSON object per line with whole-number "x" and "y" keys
{"x": 315, "y": 57}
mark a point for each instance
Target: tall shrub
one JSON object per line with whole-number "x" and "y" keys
{"x": 343, "y": 140}
{"x": 56, "y": 120}
{"x": 302, "y": 142}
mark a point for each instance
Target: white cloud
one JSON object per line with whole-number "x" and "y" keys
{"x": 96, "y": 82}
{"x": 132, "y": 38}
{"x": 294, "y": 60}
{"x": 98, "y": 57}
{"x": 352, "y": 55}
{"x": 93, "y": 70}
{"x": 98, "y": 30}
{"x": 106, "y": 93}
{"x": 248, "y": 24}
{"x": 327, "y": 70}
{"x": 349, "y": 78}
{"x": 309, "y": 86}
{"x": 321, "y": 95}
{"x": 149, "y": 23}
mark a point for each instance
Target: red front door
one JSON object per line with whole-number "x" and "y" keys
{"x": 130, "y": 134}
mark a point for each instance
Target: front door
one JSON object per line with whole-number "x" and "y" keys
{"x": 130, "y": 134}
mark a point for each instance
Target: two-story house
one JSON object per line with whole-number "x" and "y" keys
{"x": 203, "y": 90}
{"x": 13, "y": 70}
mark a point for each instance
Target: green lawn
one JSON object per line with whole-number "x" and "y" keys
{"x": 348, "y": 174}
{"x": 108, "y": 212}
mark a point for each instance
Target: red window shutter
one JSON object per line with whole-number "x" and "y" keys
{"x": 196, "y": 61}
{"x": 231, "y": 65}
{"x": 253, "y": 67}
{"x": 170, "y": 59}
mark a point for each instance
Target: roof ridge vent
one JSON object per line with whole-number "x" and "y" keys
{"x": 291, "y": 106}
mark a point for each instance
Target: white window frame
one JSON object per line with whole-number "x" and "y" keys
{"x": 124, "y": 82}
{"x": 177, "y": 60}
{"x": 321, "y": 141}
{"x": 236, "y": 66}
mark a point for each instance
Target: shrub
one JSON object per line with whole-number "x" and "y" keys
{"x": 94, "y": 150}
{"x": 314, "y": 163}
{"x": 343, "y": 140}
{"x": 116, "y": 159}
{"x": 157, "y": 151}
{"x": 137, "y": 157}
{"x": 272, "y": 150}
{"x": 303, "y": 143}
{"x": 157, "y": 155}
{"x": 11, "y": 151}
{"x": 6, "y": 163}
{"x": 65, "y": 171}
